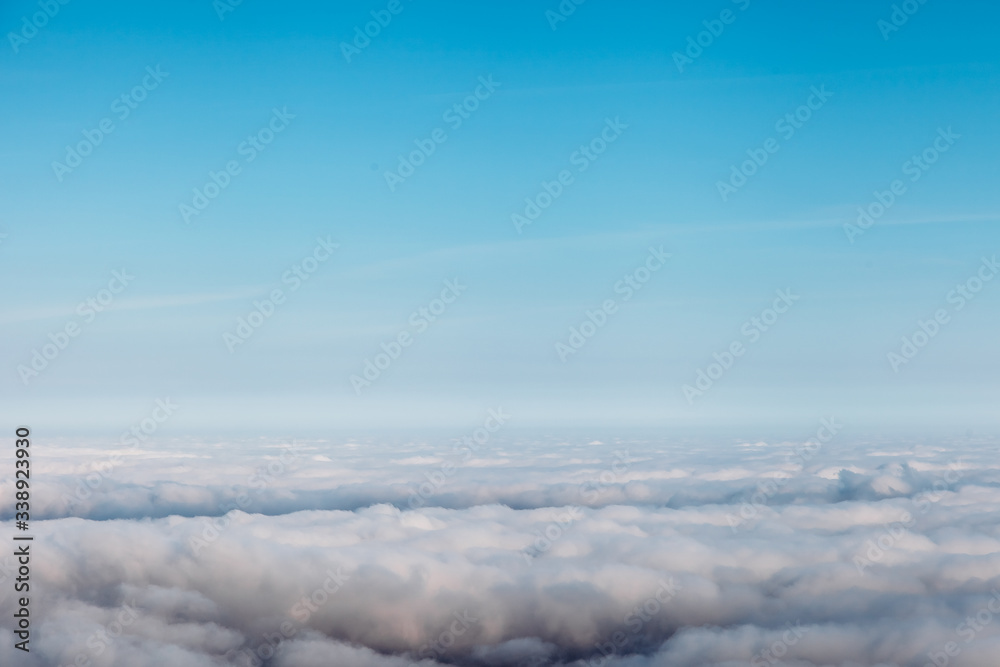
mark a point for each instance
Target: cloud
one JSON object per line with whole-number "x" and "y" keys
{"x": 862, "y": 554}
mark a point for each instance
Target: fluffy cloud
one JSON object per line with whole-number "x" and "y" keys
{"x": 574, "y": 553}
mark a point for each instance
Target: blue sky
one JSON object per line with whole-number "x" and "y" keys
{"x": 656, "y": 184}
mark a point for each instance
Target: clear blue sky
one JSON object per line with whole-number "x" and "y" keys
{"x": 553, "y": 90}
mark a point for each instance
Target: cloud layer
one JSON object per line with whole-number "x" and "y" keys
{"x": 519, "y": 553}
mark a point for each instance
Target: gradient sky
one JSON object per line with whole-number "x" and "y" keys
{"x": 656, "y": 185}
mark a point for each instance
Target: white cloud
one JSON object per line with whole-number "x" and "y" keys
{"x": 882, "y": 563}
